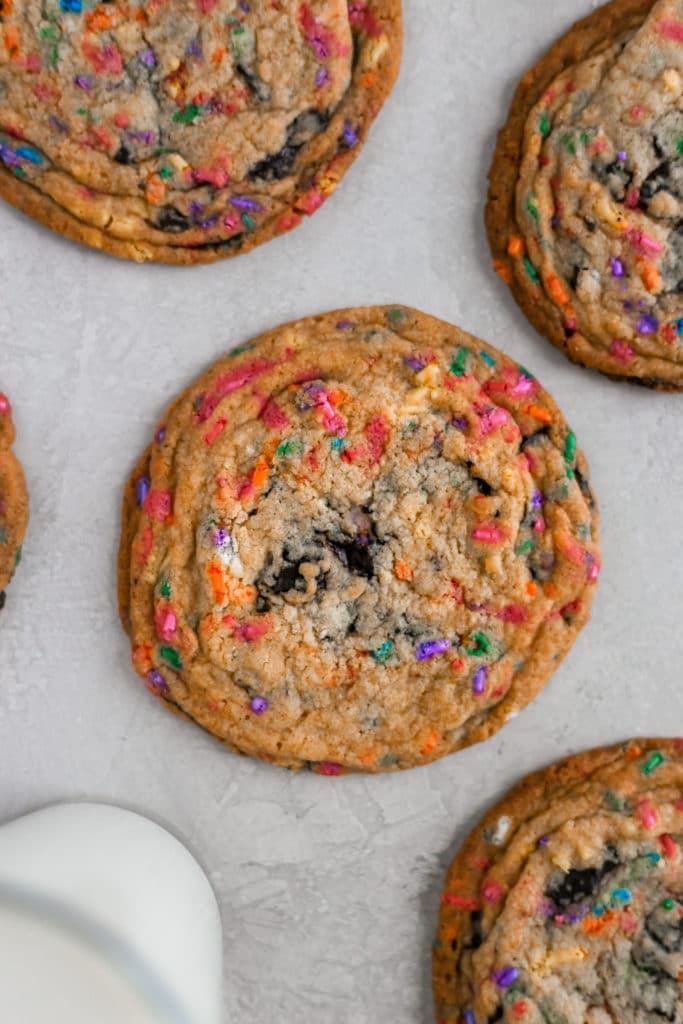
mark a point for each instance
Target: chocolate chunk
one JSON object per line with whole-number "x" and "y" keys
{"x": 356, "y": 557}
{"x": 581, "y": 884}
{"x": 171, "y": 219}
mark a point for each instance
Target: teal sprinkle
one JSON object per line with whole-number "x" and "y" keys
{"x": 248, "y": 221}
{"x": 337, "y": 443}
{"x": 599, "y": 909}
{"x": 621, "y": 895}
{"x": 384, "y": 652}
{"x": 654, "y": 857}
{"x": 668, "y": 903}
{"x": 614, "y": 802}
{"x": 526, "y": 373}
{"x": 487, "y": 359}
{"x": 531, "y": 270}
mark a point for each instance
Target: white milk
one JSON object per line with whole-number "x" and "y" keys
{"x": 104, "y": 917}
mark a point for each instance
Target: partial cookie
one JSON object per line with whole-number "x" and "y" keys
{"x": 13, "y": 500}
{"x": 585, "y": 201}
{"x": 565, "y": 905}
{"x": 362, "y": 541}
{"x": 187, "y": 130}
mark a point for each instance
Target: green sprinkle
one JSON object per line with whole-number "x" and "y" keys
{"x": 567, "y": 141}
{"x": 248, "y": 221}
{"x": 164, "y": 587}
{"x": 653, "y": 761}
{"x": 613, "y": 801}
{"x": 291, "y": 447}
{"x": 171, "y": 657}
{"x": 187, "y": 114}
{"x": 679, "y": 146}
{"x": 532, "y": 209}
{"x": 384, "y": 652}
{"x": 459, "y": 363}
{"x": 81, "y": 111}
{"x": 570, "y": 447}
{"x": 482, "y": 645}
{"x": 544, "y": 125}
{"x": 17, "y": 555}
{"x": 584, "y": 138}
{"x": 531, "y": 270}
{"x": 522, "y": 549}
{"x": 668, "y": 904}
{"x": 165, "y": 172}
{"x": 526, "y": 373}
{"x": 394, "y": 315}
{"x": 487, "y": 359}
{"x": 239, "y": 350}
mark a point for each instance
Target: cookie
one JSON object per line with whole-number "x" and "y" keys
{"x": 13, "y": 500}
{"x": 184, "y": 131}
{"x": 585, "y": 204}
{"x": 362, "y": 541}
{"x": 565, "y": 905}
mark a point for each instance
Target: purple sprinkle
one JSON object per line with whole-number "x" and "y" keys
{"x": 156, "y": 679}
{"x": 196, "y": 207}
{"x": 349, "y": 135}
{"x": 220, "y": 538}
{"x": 537, "y": 500}
{"x": 259, "y": 705}
{"x": 194, "y": 49}
{"x": 555, "y": 222}
{"x": 414, "y": 363}
{"x": 244, "y": 6}
{"x": 245, "y": 203}
{"x": 142, "y": 489}
{"x": 160, "y": 435}
{"x": 147, "y": 57}
{"x": 321, "y": 77}
{"x": 469, "y": 1018}
{"x": 622, "y": 155}
{"x": 343, "y": 325}
{"x": 146, "y": 136}
{"x": 83, "y": 81}
{"x": 430, "y": 649}
{"x": 8, "y": 156}
{"x": 480, "y": 676}
{"x": 617, "y": 267}
{"x": 460, "y": 422}
{"x": 648, "y": 324}
{"x": 506, "y": 977}
{"x": 543, "y": 841}
{"x": 58, "y": 124}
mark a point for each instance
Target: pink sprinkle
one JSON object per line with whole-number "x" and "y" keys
{"x": 622, "y": 351}
{"x": 671, "y": 28}
{"x": 632, "y": 198}
{"x": 241, "y": 375}
{"x": 310, "y": 201}
{"x": 645, "y": 244}
{"x": 647, "y": 814}
{"x": 250, "y": 632}
{"x": 525, "y": 386}
{"x": 492, "y": 891}
{"x": 329, "y": 768}
{"x": 158, "y": 505}
{"x": 273, "y": 416}
{"x": 539, "y": 525}
{"x": 214, "y": 431}
{"x": 377, "y": 433}
{"x": 490, "y": 421}
{"x": 487, "y": 533}
{"x": 166, "y": 623}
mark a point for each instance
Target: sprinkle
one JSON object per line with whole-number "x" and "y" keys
{"x": 489, "y": 534}
{"x": 544, "y": 125}
{"x": 621, "y": 895}
{"x": 668, "y": 845}
{"x": 648, "y": 324}
{"x": 329, "y": 768}
{"x": 531, "y": 270}
{"x": 259, "y": 705}
{"x": 487, "y": 358}
{"x": 384, "y": 652}
{"x": 617, "y": 267}
{"x": 245, "y": 203}
{"x": 147, "y": 58}
{"x": 414, "y": 363}
{"x": 221, "y": 538}
{"x": 482, "y": 645}
{"x": 532, "y": 209}
{"x": 668, "y": 903}
{"x": 349, "y": 136}
{"x": 322, "y": 76}
{"x": 653, "y": 761}
{"x": 171, "y": 657}
{"x": 647, "y": 814}
{"x": 469, "y": 1018}
{"x": 622, "y": 155}
{"x": 160, "y": 435}
{"x": 157, "y": 680}
{"x": 570, "y": 447}
{"x": 506, "y": 977}
{"x": 458, "y": 365}
{"x": 432, "y": 648}
{"x": 492, "y": 891}
{"x": 76, "y": 6}
{"x": 142, "y": 489}
{"x": 479, "y": 682}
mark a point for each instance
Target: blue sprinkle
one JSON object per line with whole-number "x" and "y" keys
{"x": 337, "y": 443}
{"x": 678, "y": 327}
{"x": 621, "y": 896}
{"x": 71, "y": 5}
{"x": 29, "y": 154}
{"x": 487, "y": 358}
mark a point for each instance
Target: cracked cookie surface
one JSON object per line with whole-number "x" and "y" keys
{"x": 13, "y": 500}
{"x": 565, "y": 904}
{"x": 186, "y": 130}
{"x": 585, "y": 207}
{"x": 360, "y": 542}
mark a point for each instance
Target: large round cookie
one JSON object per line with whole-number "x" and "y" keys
{"x": 186, "y": 130}
{"x": 585, "y": 200}
{"x": 13, "y": 500}
{"x": 362, "y": 541}
{"x": 565, "y": 905}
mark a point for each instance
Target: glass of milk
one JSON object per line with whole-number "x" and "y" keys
{"x": 104, "y": 916}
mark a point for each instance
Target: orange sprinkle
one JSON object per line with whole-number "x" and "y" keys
{"x": 11, "y": 36}
{"x": 531, "y": 588}
{"x": 155, "y": 189}
{"x": 369, "y": 757}
{"x": 538, "y": 412}
{"x": 516, "y": 246}
{"x": 217, "y": 55}
{"x": 650, "y": 277}
{"x": 217, "y": 580}
{"x": 368, "y": 79}
{"x": 556, "y": 290}
{"x": 632, "y": 752}
{"x": 501, "y": 268}
{"x": 431, "y": 743}
{"x": 595, "y": 925}
{"x": 403, "y": 571}
{"x": 550, "y": 589}
{"x": 260, "y": 473}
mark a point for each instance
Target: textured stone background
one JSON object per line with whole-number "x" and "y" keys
{"x": 329, "y": 888}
